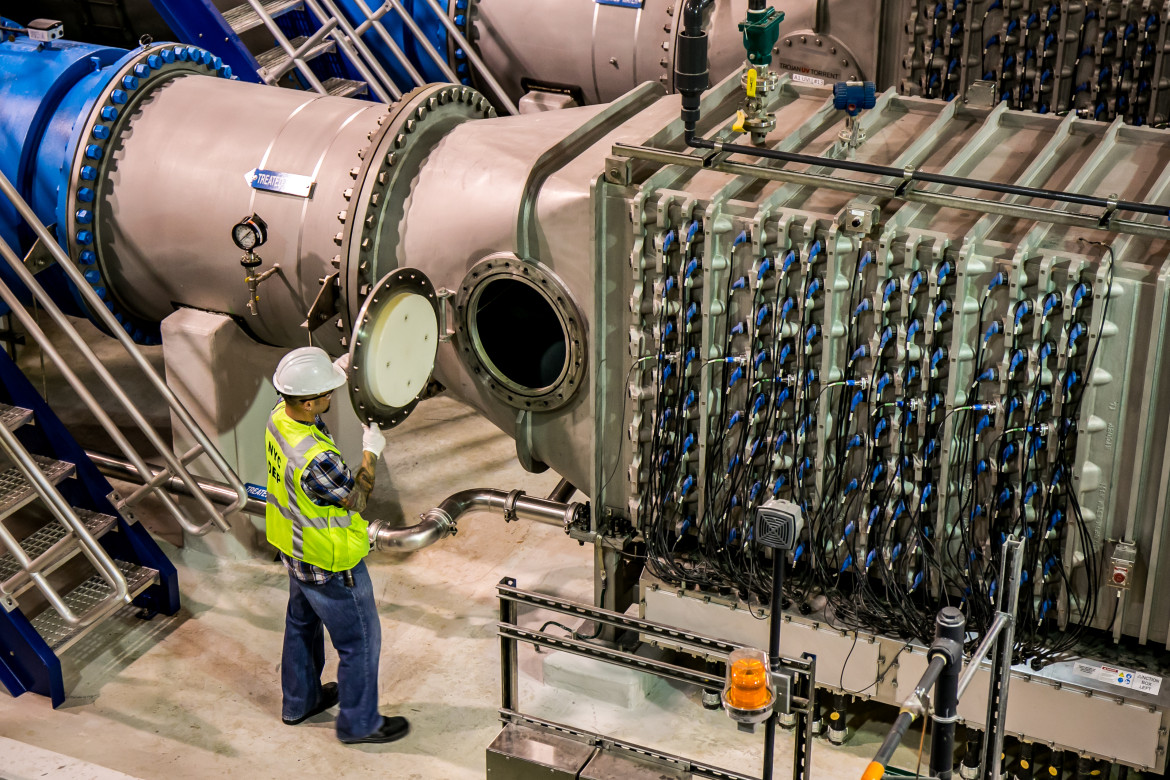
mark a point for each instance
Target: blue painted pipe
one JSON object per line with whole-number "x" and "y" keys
{"x": 62, "y": 106}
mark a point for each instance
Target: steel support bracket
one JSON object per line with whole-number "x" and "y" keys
{"x": 619, "y": 171}
{"x": 325, "y": 305}
{"x": 39, "y": 257}
{"x": 907, "y": 179}
{"x": 446, "y": 332}
{"x": 1107, "y": 215}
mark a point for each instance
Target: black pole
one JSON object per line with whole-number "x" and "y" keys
{"x": 949, "y": 630}
{"x": 774, "y": 620}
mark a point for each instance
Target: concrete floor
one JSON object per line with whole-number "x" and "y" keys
{"x": 197, "y": 694}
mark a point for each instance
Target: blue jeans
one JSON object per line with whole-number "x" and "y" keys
{"x": 351, "y": 617}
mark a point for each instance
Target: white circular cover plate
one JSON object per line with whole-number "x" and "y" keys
{"x": 400, "y": 356}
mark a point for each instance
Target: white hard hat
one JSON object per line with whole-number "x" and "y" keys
{"x": 307, "y": 371}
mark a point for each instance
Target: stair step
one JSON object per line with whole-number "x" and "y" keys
{"x": 59, "y": 635}
{"x": 12, "y": 417}
{"x": 15, "y": 490}
{"x": 275, "y": 58}
{"x": 43, "y": 538}
{"x": 344, "y": 87}
{"x": 244, "y": 17}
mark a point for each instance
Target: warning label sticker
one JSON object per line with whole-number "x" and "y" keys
{"x": 1137, "y": 681}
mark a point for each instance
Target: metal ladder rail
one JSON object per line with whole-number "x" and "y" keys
{"x": 296, "y": 58}
{"x": 355, "y": 48}
{"x": 379, "y": 82}
{"x": 33, "y": 329}
{"x": 63, "y": 512}
{"x": 419, "y": 35}
{"x": 98, "y": 307}
{"x": 370, "y": 22}
{"x": 461, "y": 39}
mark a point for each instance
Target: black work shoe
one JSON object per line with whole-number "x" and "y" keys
{"x": 390, "y": 730}
{"x": 327, "y": 700}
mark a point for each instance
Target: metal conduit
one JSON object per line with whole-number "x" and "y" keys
{"x": 436, "y": 524}
{"x": 440, "y": 521}
{"x": 909, "y": 175}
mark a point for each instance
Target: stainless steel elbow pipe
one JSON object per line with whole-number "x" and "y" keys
{"x": 440, "y": 522}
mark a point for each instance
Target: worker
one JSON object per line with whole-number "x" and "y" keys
{"x": 313, "y": 518}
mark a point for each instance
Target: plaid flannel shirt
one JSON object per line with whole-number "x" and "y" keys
{"x": 327, "y": 482}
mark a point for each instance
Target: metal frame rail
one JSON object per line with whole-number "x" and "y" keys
{"x": 803, "y": 671}
{"x": 174, "y": 465}
{"x": 330, "y": 20}
{"x": 715, "y": 160}
{"x": 1000, "y": 638}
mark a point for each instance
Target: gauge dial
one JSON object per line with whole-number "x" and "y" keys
{"x": 250, "y": 233}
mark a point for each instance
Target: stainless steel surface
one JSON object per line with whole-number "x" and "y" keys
{"x": 981, "y": 652}
{"x": 520, "y": 753}
{"x": 88, "y": 597}
{"x": 441, "y": 521}
{"x": 218, "y": 492}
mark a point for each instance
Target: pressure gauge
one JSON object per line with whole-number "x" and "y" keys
{"x": 250, "y": 233}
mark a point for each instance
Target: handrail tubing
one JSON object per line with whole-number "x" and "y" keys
{"x": 981, "y": 652}
{"x": 370, "y": 23}
{"x": 64, "y": 513}
{"x": 283, "y": 42}
{"x": 82, "y": 390}
{"x": 98, "y": 307}
{"x": 161, "y": 477}
{"x": 419, "y": 36}
{"x": 378, "y": 79}
{"x": 461, "y": 39}
{"x": 273, "y": 75}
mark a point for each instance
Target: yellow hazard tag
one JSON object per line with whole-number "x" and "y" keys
{"x": 752, "y": 77}
{"x": 740, "y": 118}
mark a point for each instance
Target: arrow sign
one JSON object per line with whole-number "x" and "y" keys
{"x": 276, "y": 181}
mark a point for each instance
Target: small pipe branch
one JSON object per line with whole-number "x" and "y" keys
{"x": 441, "y": 521}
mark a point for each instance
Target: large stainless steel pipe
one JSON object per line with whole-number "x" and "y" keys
{"x": 199, "y": 154}
{"x": 441, "y": 521}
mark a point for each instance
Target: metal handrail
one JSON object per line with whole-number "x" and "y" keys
{"x": 99, "y": 310}
{"x": 370, "y": 22}
{"x": 461, "y": 39}
{"x": 65, "y": 515}
{"x": 378, "y": 79}
{"x": 273, "y": 75}
{"x": 415, "y": 30}
{"x": 283, "y": 42}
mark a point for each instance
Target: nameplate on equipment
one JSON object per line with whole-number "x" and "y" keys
{"x": 622, "y": 3}
{"x": 276, "y": 181}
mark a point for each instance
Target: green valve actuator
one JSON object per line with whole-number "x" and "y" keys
{"x": 760, "y": 31}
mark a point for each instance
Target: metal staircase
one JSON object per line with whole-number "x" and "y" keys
{"x": 335, "y": 47}
{"x": 71, "y": 552}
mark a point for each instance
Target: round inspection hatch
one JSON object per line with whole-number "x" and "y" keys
{"x": 392, "y": 352}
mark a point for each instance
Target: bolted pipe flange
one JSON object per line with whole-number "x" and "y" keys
{"x": 385, "y": 178}
{"x": 80, "y": 205}
{"x": 477, "y": 353}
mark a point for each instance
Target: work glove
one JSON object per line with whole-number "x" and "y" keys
{"x": 373, "y": 441}
{"x": 343, "y": 363}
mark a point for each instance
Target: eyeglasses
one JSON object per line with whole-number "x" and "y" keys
{"x": 317, "y": 397}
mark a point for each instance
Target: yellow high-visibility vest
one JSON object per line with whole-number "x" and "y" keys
{"x": 330, "y": 537}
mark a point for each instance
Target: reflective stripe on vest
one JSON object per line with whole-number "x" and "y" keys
{"x": 336, "y": 537}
